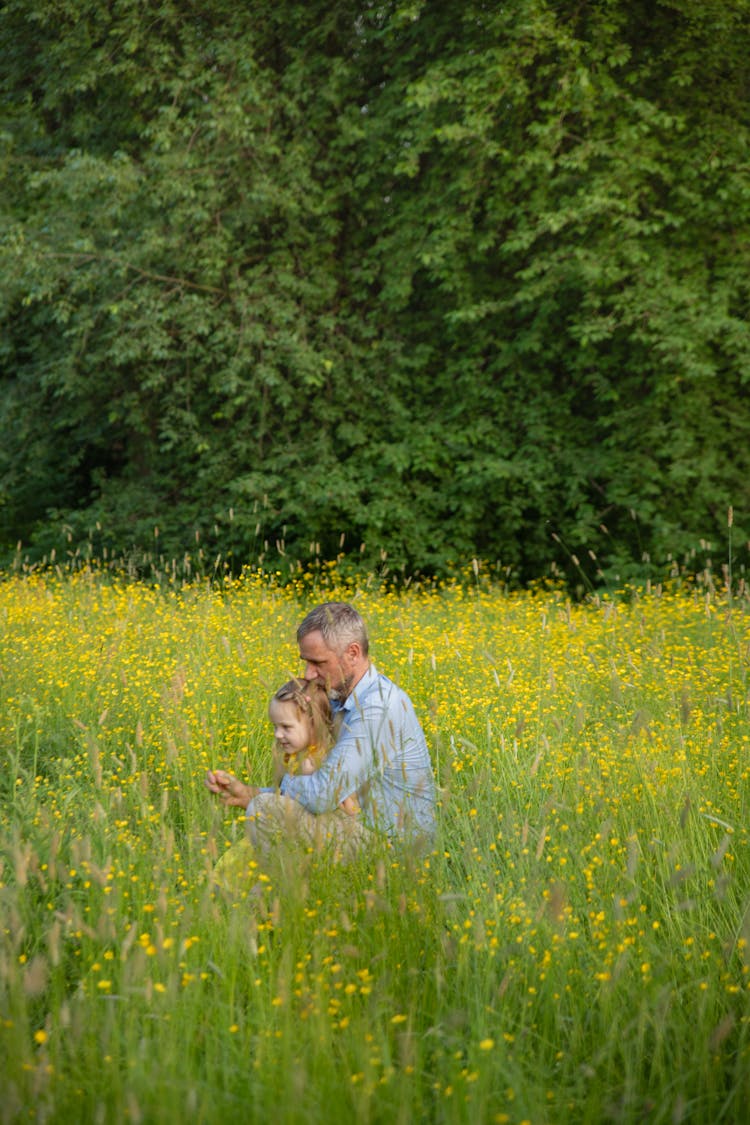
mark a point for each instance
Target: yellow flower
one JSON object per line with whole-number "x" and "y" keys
{"x": 486, "y": 1044}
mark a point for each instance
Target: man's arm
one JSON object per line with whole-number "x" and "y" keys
{"x": 229, "y": 790}
{"x": 356, "y": 757}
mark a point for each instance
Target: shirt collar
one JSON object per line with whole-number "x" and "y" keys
{"x": 360, "y": 689}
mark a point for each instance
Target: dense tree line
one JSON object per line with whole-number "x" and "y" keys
{"x": 406, "y": 279}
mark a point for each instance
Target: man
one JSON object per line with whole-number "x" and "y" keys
{"x": 380, "y": 756}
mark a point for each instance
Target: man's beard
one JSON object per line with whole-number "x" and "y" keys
{"x": 341, "y": 692}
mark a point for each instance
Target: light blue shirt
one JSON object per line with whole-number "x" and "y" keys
{"x": 381, "y": 757}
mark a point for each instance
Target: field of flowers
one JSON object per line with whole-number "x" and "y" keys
{"x": 575, "y": 949}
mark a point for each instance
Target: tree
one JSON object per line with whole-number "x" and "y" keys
{"x": 442, "y": 283}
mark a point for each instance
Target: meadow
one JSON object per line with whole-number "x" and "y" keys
{"x": 574, "y": 949}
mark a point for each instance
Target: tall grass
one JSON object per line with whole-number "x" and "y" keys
{"x": 575, "y": 949}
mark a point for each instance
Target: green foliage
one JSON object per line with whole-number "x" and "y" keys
{"x": 445, "y": 285}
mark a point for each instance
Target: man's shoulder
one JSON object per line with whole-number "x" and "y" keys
{"x": 373, "y": 680}
{"x": 375, "y": 689}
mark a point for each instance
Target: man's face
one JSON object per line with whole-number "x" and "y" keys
{"x": 322, "y": 663}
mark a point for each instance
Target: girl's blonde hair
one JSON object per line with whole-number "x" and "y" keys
{"x": 311, "y": 700}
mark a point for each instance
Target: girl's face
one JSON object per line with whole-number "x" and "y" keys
{"x": 292, "y": 730}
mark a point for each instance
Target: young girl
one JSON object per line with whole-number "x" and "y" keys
{"x": 303, "y": 731}
{"x": 300, "y": 714}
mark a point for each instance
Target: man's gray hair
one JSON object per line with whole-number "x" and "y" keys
{"x": 338, "y": 623}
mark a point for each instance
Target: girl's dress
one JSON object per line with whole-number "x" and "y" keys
{"x": 237, "y": 871}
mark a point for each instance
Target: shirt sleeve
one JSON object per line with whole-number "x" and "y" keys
{"x": 360, "y": 752}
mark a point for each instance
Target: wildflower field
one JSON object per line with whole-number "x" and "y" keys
{"x": 575, "y": 949}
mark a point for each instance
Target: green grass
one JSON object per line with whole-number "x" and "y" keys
{"x": 575, "y": 949}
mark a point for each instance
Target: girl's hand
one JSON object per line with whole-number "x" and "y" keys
{"x": 350, "y": 805}
{"x": 229, "y": 790}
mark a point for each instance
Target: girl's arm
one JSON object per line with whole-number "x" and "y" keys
{"x": 279, "y": 767}
{"x": 303, "y": 762}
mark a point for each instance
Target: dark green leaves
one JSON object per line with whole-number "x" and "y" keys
{"x": 446, "y": 282}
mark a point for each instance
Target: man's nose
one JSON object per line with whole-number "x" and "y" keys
{"x": 310, "y": 673}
